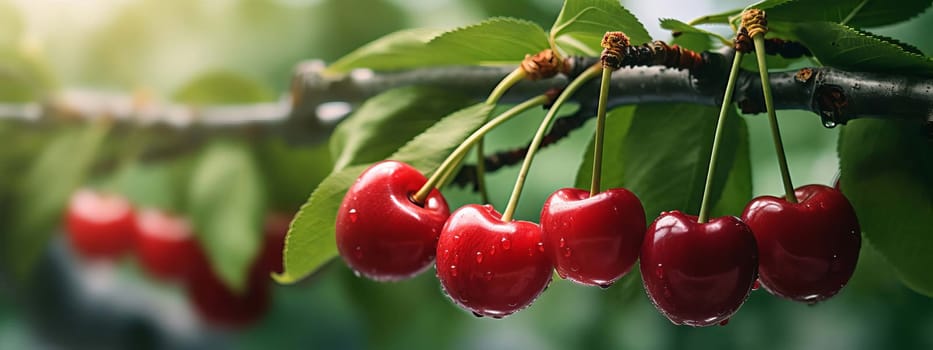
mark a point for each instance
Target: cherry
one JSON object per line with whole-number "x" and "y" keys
{"x": 381, "y": 233}
{"x": 99, "y": 225}
{"x": 593, "y": 240}
{"x": 489, "y": 266}
{"x": 808, "y": 250}
{"x": 221, "y": 306}
{"x": 165, "y": 245}
{"x": 698, "y": 274}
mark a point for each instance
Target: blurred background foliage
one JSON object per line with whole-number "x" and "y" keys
{"x": 170, "y": 49}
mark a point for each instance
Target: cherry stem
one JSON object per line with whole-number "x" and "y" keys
{"x": 772, "y": 118}
{"x": 446, "y": 168}
{"x": 600, "y": 131}
{"x": 480, "y": 172}
{"x": 723, "y": 112}
{"x": 504, "y": 85}
{"x": 572, "y": 88}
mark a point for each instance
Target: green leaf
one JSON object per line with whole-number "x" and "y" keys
{"x": 427, "y": 151}
{"x": 291, "y": 171}
{"x": 227, "y": 206}
{"x": 856, "y": 13}
{"x": 222, "y": 87}
{"x": 496, "y": 41}
{"x": 588, "y": 20}
{"x": 157, "y": 185}
{"x": 666, "y": 155}
{"x": 678, "y": 26}
{"x": 717, "y": 18}
{"x": 846, "y": 48}
{"x": 738, "y": 189}
{"x": 618, "y": 122}
{"x": 47, "y": 185}
{"x": 887, "y": 175}
{"x": 310, "y": 242}
{"x": 385, "y": 122}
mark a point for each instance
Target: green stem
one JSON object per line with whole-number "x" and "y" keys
{"x": 480, "y": 172}
{"x": 600, "y": 131}
{"x": 723, "y": 111}
{"x": 772, "y": 119}
{"x": 575, "y": 85}
{"x": 454, "y": 158}
{"x": 510, "y": 80}
{"x": 448, "y": 174}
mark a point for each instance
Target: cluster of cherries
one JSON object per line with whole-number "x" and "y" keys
{"x": 695, "y": 273}
{"x": 104, "y": 227}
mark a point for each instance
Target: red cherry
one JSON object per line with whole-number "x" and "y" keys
{"x": 165, "y": 245}
{"x": 593, "y": 240}
{"x": 99, "y": 225}
{"x": 807, "y": 250}
{"x": 488, "y": 266}
{"x": 221, "y": 306}
{"x": 698, "y": 274}
{"x": 381, "y": 233}
{"x": 276, "y": 228}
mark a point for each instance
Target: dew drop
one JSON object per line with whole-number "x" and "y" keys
{"x": 512, "y": 304}
{"x": 446, "y": 253}
{"x": 724, "y": 322}
{"x": 456, "y": 236}
{"x": 477, "y": 314}
{"x": 453, "y": 270}
{"x": 353, "y": 215}
{"x": 574, "y": 268}
{"x": 358, "y": 252}
{"x": 567, "y": 252}
{"x": 488, "y": 276}
{"x": 531, "y": 252}
{"x": 829, "y": 124}
{"x": 541, "y": 247}
{"x": 562, "y": 243}
{"x": 479, "y": 257}
{"x": 659, "y": 271}
{"x": 357, "y": 273}
{"x": 492, "y": 250}
{"x": 605, "y": 285}
{"x": 756, "y": 285}
{"x": 506, "y": 243}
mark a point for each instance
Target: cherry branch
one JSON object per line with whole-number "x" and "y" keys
{"x": 317, "y": 101}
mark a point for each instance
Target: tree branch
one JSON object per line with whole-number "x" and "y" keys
{"x": 318, "y": 101}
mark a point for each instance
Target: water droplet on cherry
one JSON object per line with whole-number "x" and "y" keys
{"x": 353, "y": 215}
{"x": 605, "y": 285}
{"x": 453, "y": 270}
{"x": 506, "y": 244}
{"x": 567, "y": 252}
{"x": 562, "y": 243}
{"x": 358, "y": 252}
{"x": 479, "y": 257}
{"x": 488, "y": 276}
{"x": 492, "y": 250}
{"x": 477, "y": 314}
{"x": 724, "y": 322}
{"x": 541, "y": 247}
{"x": 659, "y": 271}
{"x": 756, "y": 285}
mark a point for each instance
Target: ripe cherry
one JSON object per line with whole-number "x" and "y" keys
{"x": 593, "y": 240}
{"x": 698, "y": 274}
{"x": 488, "y": 266}
{"x": 381, "y": 233}
{"x": 165, "y": 244}
{"x": 99, "y": 225}
{"x": 220, "y": 305}
{"x": 808, "y": 250}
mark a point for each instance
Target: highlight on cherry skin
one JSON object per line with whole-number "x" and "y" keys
{"x": 99, "y": 225}
{"x": 593, "y": 240}
{"x": 381, "y": 232}
{"x": 807, "y": 250}
{"x": 489, "y": 266}
{"x": 698, "y": 274}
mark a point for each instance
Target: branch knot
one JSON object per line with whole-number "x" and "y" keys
{"x": 614, "y": 44}
{"x": 543, "y": 65}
